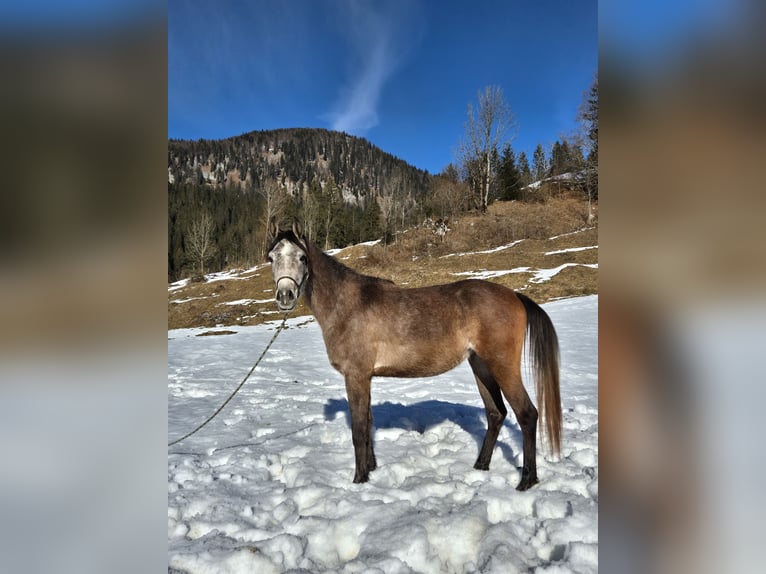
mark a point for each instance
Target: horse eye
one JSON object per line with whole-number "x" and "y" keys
{"x": 303, "y": 259}
{"x": 270, "y": 258}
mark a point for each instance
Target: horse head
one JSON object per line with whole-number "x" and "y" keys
{"x": 288, "y": 256}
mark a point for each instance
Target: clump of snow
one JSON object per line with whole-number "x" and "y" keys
{"x": 364, "y": 243}
{"x": 571, "y": 233}
{"x": 231, "y": 274}
{"x": 266, "y": 486}
{"x": 540, "y": 275}
{"x": 484, "y": 274}
{"x": 571, "y": 250}
{"x": 561, "y": 177}
{"x": 487, "y": 251}
{"x": 249, "y": 301}
{"x": 178, "y": 285}
{"x": 186, "y": 300}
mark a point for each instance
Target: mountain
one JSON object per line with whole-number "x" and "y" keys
{"x": 222, "y": 193}
{"x": 293, "y": 158}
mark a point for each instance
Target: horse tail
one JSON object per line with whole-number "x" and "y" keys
{"x": 544, "y": 357}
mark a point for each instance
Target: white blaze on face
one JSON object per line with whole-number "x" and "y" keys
{"x": 288, "y": 267}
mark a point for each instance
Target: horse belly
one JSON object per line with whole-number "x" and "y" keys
{"x": 417, "y": 360}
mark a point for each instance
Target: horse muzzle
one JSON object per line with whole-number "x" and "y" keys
{"x": 287, "y": 294}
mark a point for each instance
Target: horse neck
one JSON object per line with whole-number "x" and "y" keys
{"x": 327, "y": 285}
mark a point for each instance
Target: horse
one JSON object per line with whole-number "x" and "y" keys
{"x": 373, "y": 327}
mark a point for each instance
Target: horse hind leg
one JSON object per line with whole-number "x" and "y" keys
{"x": 372, "y": 463}
{"x": 526, "y": 414}
{"x": 499, "y": 377}
{"x": 493, "y": 404}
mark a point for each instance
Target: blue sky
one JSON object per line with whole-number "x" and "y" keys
{"x": 398, "y": 72}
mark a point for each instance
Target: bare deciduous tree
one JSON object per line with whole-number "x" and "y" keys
{"x": 311, "y": 209}
{"x": 275, "y": 202}
{"x": 486, "y": 128}
{"x": 199, "y": 240}
{"x": 332, "y": 197}
{"x": 448, "y": 197}
{"x": 390, "y": 200}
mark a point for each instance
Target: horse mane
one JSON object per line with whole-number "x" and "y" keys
{"x": 289, "y": 235}
{"x": 336, "y": 269}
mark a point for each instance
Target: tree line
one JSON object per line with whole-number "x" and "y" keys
{"x": 210, "y": 230}
{"x": 489, "y": 169}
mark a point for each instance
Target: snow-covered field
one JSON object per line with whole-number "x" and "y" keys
{"x": 266, "y": 486}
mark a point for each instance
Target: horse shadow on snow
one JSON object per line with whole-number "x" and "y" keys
{"x": 425, "y": 415}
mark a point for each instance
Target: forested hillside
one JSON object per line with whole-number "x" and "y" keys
{"x": 293, "y": 158}
{"x": 222, "y": 192}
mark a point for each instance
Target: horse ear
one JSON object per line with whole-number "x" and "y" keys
{"x": 273, "y": 229}
{"x": 297, "y": 229}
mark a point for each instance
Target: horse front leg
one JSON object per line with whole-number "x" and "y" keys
{"x": 358, "y": 392}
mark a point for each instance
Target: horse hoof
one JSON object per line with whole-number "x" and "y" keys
{"x": 481, "y": 465}
{"x": 526, "y": 482}
{"x": 358, "y": 479}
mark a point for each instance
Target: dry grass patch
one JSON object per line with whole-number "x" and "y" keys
{"x": 420, "y": 258}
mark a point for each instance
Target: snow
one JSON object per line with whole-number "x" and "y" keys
{"x": 178, "y": 284}
{"x": 484, "y": 274}
{"x": 570, "y": 233}
{"x": 266, "y": 486}
{"x": 234, "y": 273}
{"x": 187, "y": 300}
{"x": 561, "y": 177}
{"x": 228, "y": 275}
{"x": 571, "y": 250}
{"x": 540, "y": 275}
{"x": 487, "y": 251}
{"x": 364, "y": 243}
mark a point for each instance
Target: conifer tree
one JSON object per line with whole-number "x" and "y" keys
{"x": 370, "y": 225}
{"x": 539, "y": 163}
{"x": 589, "y": 117}
{"x": 508, "y": 177}
{"x": 525, "y": 173}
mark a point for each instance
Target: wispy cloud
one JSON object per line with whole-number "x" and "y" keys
{"x": 378, "y": 42}
{"x": 357, "y": 108}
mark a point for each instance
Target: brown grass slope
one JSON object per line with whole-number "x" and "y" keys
{"x": 419, "y": 257}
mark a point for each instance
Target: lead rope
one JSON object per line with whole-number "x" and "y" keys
{"x": 247, "y": 376}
